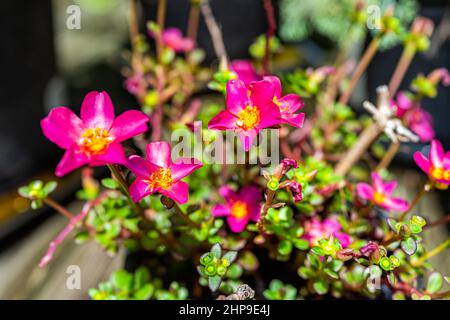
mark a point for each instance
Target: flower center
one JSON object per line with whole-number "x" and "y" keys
{"x": 378, "y": 197}
{"x": 283, "y": 106}
{"x": 162, "y": 179}
{"x": 95, "y": 141}
{"x": 437, "y": 173}
{"x": 248, "y": 118}
{"x": 239, "y": 210}
{"x": 447, "y": 175}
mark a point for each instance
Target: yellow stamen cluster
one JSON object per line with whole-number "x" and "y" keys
{"x": 95, "y": 141}
{"x": 162, "y": 179}
{"x": 378, "y": 197}
{"x": 248, "y": 118}
{"x": 437, "y": 173}
{"x": 239, "y": 209}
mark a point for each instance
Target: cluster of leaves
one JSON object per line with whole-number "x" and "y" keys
{"x": 123, "y": 285}
{"x": 37, "y": 191}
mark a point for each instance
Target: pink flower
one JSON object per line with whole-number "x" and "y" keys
{"x": 240, "y": 207}
{"x": 296, "y": 189}
{"x": 288, "y": 104}
{"x": 315, "y": 230}
{"x": 421, "y": 123}
{"x": 173, "y": 38}
{"x": 414, "y": 116}
{"x": 95, "y": 138}
{"x": 245, "y": 71}
{"x": 437, "y": 165}
{"x": 380, "y": 194}
{"x": 249, "y": 109}
{"x": 135, "y": 84}
{"x": 159, "y": 174}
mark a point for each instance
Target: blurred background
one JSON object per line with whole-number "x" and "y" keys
{"x": 45, "y": 64}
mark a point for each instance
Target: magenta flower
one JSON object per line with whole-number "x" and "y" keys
{"x": 173, "y": 38}
{"x": 240, "y": 207}
{"x": 245, "y": 71}
{"x": 249, "y": 109}
{"x": 159, "y": 174}
{"x": 95, "y": 138}
{"x": 421, "y": 123}
{"x": 414, "y": 116}
{"x": 380, "y": 194}
{"x": 288, "y": 104}
{"x": 135, "y": 84}
{"x": 437, "y": 165}
{"x": 315, "y": 230}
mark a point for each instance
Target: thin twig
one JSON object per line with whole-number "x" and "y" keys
{"x": 59, "y": 208}
{"x": 214, "y": 31}
{"x": 270, "y": 15}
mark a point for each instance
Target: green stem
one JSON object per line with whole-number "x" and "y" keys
{"x": 123, "y": 185}
{"x": 59, "y": 208}
{"x": 432, "y": 253}
{"x": 416, "y": 200}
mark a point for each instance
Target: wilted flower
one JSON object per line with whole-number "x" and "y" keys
{"x": 414, "y": 116}
{"x": 437, "y": 165}
{"x": 95, "y": 138}
{"x": 245, "y": 71}
{"x": 249, "y": 109}
{"x": 296, "y": 189}
{"x": 315, "y": 230}
{"x": 240, "y": 207}
{"x": 288, "y": 104}
{"x": 173, "y": 38}
{"x": 159, "y": 174}
{"x": 380, "y": 194}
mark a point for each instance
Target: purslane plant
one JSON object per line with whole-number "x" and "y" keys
{"x": 309, "y": 226}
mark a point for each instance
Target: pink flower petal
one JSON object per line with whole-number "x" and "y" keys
{"x": 291, "y": 102}
{"x": 247, "y": 138}
{"x": 250, "y": 195}
{"x": 343, "y": 238}
{"x": 261, "y": 93}
{"x": 183, "y": 167}
{"x": 113, "y": 155}
{"x": 245, "y": 71}
{"x": 97, "y": 110}
{"x": 237, "y": 96}
{"x": 70, "y": 161}
{"x": 395, "y": 204}
{"x": 422, "y": 162}
{"x": 276, "y": 83}
{"x": 220, "y": 210}
{"x": 389, "y": 187}
{"x": 129, "y": 124}
{"x": 140, "y": 167}
{"x": 446, "y": 161}
{"x": 62, "y": 127}
{"x": 139, "y": 189}
{"x": 224, "y": 120}
{"x": 237, "y": 225}
{"x": 364, "y": 190}
{"x": 228, "y": 193}
{"x": 179, "y": 192}
{"x": 377, "y": 181}
{"x": 331, "y": 226}
{"x": 436, "y": 153}
{"x": 295, "y": 120}
{"x": 159, "y": 153}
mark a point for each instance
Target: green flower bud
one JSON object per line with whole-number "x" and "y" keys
{"x": 221, "y": 270}
{"x": 385, "y": 263}
{"x": 151, "y": 99}
{"x": 206, "y": 259}
{"x": 328, "y": 248}
{"x": 210, "y": 270}
{"x": 415, "y": 228}
{"x": 418, "y": 220}
{"x": 395, "y": 262}
{"x": 273, "y": 184}
{"x": 422, "y": 43}
{"x": 224, "y": 262}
